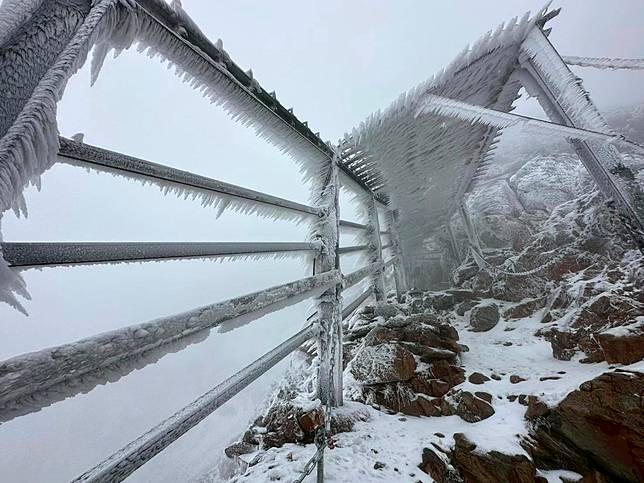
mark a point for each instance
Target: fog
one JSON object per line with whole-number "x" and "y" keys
{"x": 335, "y": 62}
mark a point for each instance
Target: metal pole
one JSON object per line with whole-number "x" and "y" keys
{"x": 375, "y": 249}
{"x": 471, "y": 234}
{"x": 399, "y": 276}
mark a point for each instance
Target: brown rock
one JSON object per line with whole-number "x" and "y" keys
{"x": 478, "y": 378}
{"x": 472, "y": 409}
{"x": 536, "y": 408}
{"x": 453, "y": 375}
{"x": 484, "y": 317}
{"x": 486, "y": 396}
{"x": 623, "y": 345}
{"x": 437, "y": 466}
{"x": 598, "y": 428}
{"x": 514, "y": 379}
{"x": 383, "y": 363}
{"x": 477, "y": 467}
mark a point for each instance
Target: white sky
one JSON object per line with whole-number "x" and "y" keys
{"x": 335, "y": 62}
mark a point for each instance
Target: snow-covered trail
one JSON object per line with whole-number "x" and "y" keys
{"x": 397, "y": 440}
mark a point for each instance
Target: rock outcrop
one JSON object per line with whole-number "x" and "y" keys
{"x": 596, "y": 430}
{"x": 408, "y": 364}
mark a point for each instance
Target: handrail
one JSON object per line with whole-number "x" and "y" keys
{"x": 134, "y": 455}
{"x": 23, "y": 377}
{"x": 37, "y": 254}
{"x": 346, "y": 311}
{"x": 360, "y": 274}
{"x": 359, "y": 226}
{"x": 100, "y": 158}
{"x": 174, "y": 20}
{"x": 351, "y": 249}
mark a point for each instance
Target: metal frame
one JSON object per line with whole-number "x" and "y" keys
{"x": 31, "y": 381}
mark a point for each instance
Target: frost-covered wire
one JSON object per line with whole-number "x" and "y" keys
{"x": 605, "y": 62}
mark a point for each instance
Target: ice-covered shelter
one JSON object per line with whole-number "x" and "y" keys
{"x": 416, "y": 160}
{"x": 426, "y": 151}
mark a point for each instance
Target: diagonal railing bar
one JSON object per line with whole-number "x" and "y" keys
{"x": 23, "y": 377}
{"x": 354, "y": 277}
{"x": 37, "y": 254}
{"x": 103, "y": 158}
{"x": 348, "y": 310}
{"x": 125, "y": 461}
{"x": 351, "y": 249}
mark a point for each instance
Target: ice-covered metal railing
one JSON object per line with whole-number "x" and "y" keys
{"x": 31, "y": 381}
{"x": 125, "y": 461}
{"x": 38, "y": 254}
{"x": 26, "y": 379}
{"x": 184, "y": 182}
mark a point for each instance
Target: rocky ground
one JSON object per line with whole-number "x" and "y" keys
{"x": 470, "y": 384}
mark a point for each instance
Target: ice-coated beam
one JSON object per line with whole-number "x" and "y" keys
{"x": 354, "y": 277}
{"x": 472, "y": 113}
{"x": 359, "y": 226}
{"x": 62, "y": 369}
{"x": 36, "y": 254}
{"x": 103, "y": 158}
{"x": 177, "y": 20}
{"x": 605, "y": 62}
{"x": 125, "y": 461}
{"x": 351, "y": 249}
{"x": 348, "y": 310}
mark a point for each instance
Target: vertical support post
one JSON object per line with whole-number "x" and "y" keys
{"x": 452, "y": 237}
{"x": 375, "y": 249}
{"x": 329, "y": 310}
{"x": 471, "y": 234}
{"x": 399, "y": 273}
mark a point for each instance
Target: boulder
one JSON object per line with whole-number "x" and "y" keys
{"x": 385, "y": 310}
{"x": 443, "y": 301}
{"x": 479, "y": 467}
{"x": 484, "y": 317}
{"x": 478, "y": 378}
{"x": 471, "y": 408}
{"x": 436, "y": 464}
{"x": 598, "y": 428}
{"x": 383, "y": 363}
{"x": 623, "y": 345}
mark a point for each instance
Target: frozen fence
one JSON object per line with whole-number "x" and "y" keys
{"x": 31, "y": 381}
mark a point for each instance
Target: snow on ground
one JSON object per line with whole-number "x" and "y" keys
{"x": 398, "y": 440}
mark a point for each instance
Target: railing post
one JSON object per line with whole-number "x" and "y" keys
{"x": 375, "y": 248}
{"x": 471, "y": 234}
{"x": 399, "y": 270}
{"x": 330, "y": 318}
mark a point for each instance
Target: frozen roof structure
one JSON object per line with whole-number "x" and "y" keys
{"x": 426, "y": 160}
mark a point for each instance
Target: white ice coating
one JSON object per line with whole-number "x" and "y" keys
{"x": 213, "y": 81}
{"x": 605, "y": 62}
{"x": 424, "y": 163}
{"x": 30, "y": 144}
{"x": 220, "y": 202}
{"x": 474, "y": 114}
